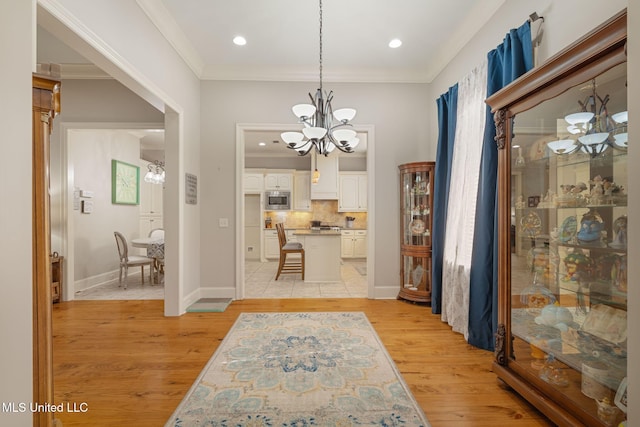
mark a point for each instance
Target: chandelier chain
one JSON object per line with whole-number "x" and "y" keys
{"x": 320, "y": 44}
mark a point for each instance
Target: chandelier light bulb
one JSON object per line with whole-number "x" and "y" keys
{"x": 303, "y": 111}
{"x": 577, "y": 118}
{"x": 621, "y": 117}
{"x": 344, "y": 135}
{"x": 344, "y": 115}
{"x": 314, "y": 133}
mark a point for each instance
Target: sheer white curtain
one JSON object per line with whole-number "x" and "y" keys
{"x": 465, "y": 169}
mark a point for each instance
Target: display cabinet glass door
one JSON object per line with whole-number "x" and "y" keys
{"x": 569, "y": 258}
{"x": 417, "y": 274}
{"x": 417, "y": 208}
{"x": 416, "y": 204}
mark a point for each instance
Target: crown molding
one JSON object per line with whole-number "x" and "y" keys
{"x": 82, "y": 71}
{"x": 310, "y": 74}
{"x": 168, "y": 27}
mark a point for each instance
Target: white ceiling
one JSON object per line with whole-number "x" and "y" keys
{"x": 283, "y": 39}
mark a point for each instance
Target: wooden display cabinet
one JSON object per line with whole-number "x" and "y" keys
{"x": 562, "y": 211}
{"x": 416, "y": 206}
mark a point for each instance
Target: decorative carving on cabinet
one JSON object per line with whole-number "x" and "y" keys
{"x": 500, "y": 348}
{"x": 499, "y": 118}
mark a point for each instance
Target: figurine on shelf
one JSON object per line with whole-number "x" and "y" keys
{"x": 597, "y": 191}
{"x": 591, "y": 227}
{"x": 576, "y": 262}
{"x": 619, "y": 233}
{"x": 555, "y": 316}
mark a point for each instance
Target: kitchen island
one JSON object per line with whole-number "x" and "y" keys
{"x": 322, "y": 255}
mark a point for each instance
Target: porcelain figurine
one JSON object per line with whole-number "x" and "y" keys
{"x": 619, "y": 233}
{"x": 591, "y": 227}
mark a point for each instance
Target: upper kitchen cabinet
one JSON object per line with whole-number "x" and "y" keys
{"x": 302, "y": 191}
{"x": 327, "y": 186}
{"x": 562, "y": 221}
{"x": 278, "y": 181}
{"x": 353, "y": 192}
{"x": 253, "y": 181}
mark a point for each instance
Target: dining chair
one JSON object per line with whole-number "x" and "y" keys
{"x": 127, "y": 260}
{"x": 293, "y": 265}
{"x": 157, "y": 233}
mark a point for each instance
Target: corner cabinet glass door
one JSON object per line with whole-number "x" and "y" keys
{"x": 566, "y": 328}
{"x": 416, "y": 203}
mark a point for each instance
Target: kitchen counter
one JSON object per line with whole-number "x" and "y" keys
{"x": 317, "y": 233}
{"x": 322, "y": 255}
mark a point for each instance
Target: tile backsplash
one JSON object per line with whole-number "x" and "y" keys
{"x": 325, "y": 211}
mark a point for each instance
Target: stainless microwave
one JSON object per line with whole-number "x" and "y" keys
{"x": 277, "y": 201}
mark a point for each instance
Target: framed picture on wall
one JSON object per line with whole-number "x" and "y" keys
{"x": 125, "y": 183}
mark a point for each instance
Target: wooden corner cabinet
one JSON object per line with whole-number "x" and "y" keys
{"x": 562, "y": 212}
{"x": 416, "y": 205}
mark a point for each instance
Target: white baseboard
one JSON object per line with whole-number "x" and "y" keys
{"x": 97, "y": 280}
{"x": 385, "y": 292}
{"x": 227, "y": 292}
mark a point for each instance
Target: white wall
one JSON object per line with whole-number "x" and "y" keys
{"x": 152, "y": 69}
{"x": 90, "y": 102}
{"x": 565, "y": 22}
{"x": 15, "y": 212}
{"x": 90, "y": 155}
{"x": 396, "y": 110}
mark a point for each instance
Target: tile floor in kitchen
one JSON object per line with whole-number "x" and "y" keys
{"x": 259, "y": 283}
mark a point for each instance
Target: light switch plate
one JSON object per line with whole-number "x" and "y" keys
{"x": 86, "y": 193}
{"x": 223, "y": 222}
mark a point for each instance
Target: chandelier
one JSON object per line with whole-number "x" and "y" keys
{"x": 155, "y": 173}
{"x": 594, "y": 128}
{"x": 324, "y": 129}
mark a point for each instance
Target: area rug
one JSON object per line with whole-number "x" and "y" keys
{"x": 204, "y": 305}
{"x": 299, "y": 369}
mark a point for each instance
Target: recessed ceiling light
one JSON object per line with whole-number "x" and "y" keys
{"x": 262, "y": 144}
{"x": 239, "y": 40}
{"x": 395, "y": 43}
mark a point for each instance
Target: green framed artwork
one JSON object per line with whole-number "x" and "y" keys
{"x": 125, "y": 183}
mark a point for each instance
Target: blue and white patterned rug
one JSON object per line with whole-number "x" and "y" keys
{"x": 299, "y": 369}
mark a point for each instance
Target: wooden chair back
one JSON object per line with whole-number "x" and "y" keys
{"x": 282, "y": 235}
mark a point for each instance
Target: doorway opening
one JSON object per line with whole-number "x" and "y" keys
{"x": 255, "y": 274}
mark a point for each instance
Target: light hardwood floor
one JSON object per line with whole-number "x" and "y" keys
{"x": 132, "y": 366}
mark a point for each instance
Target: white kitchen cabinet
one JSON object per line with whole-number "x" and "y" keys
{"x": 353, "y": 192}
{"x": 271, "y": 244}
{"x": 278, "y": 182}
{"x": 302, "y": 191}
{"x": 253, "y": 181}
{"x": 150, "y": 204}
{"x": 327, "y": 186}
{"x": 353, "y": 244}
